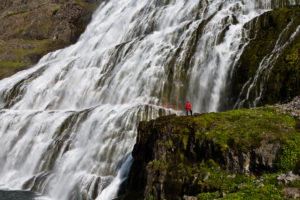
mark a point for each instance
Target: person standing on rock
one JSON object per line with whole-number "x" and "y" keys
{"x": 188, "y": 108}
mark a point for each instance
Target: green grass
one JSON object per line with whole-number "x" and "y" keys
{"x": 238, "y": 186}
{"x": 243, "y": 130}
{"x": 240, "y": 129}
{"x": 241, "y": 186}
{"x": 187, "y": 165}
{"x": 20, "y": 52}
{"x": 12, "y": 64}
{"x": 9, "y": 68}
{"x": 295, "y": 184}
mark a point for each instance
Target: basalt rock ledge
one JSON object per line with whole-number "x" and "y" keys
{"x": 227, "y": 155}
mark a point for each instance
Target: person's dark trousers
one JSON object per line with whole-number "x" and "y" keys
{"x": 187, "y": 112}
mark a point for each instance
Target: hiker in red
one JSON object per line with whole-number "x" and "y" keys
{"x": 188, "y": 108}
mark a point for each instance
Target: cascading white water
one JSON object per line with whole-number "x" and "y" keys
{"x": 68, "y": 124}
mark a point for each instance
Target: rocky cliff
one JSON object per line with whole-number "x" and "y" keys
{"x": 30, "y": 29}
{"x": 268, "y": 70}
{"x": 238, "y": 154}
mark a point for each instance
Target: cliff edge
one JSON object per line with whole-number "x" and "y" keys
{"x": 238, "y": 154}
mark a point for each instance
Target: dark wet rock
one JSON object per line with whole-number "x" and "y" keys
{"x": 17, "y": 195}
{"x": 271, "y": 57}
{"x": 36, "y": 183}
{"x": 264, "y": 156}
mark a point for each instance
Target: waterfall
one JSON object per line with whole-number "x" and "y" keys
{"x": 68, "y": 124}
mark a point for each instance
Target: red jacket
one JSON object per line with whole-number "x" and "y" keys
{"x": 188, "y": 106}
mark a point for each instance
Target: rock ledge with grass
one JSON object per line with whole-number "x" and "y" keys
{"x": 238, "y": 154}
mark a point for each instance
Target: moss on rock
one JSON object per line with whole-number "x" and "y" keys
{"x": 29, "y": 30}
{"x": 231, "y": 155}
{"x": 270, "y": 61}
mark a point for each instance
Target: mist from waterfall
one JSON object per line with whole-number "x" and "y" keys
{"x": 68, "y": 125}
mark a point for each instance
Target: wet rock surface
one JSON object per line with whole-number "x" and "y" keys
{"x": 17, "y": 195}
{"x": 268, "y": 72}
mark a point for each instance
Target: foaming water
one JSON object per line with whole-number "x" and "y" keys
{"x": 68, "y": 125}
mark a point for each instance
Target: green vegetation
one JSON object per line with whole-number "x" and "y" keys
{"x": 151, "y": 197}
{"x": 196, "y": 147}
{"x": 241, "y": 129}
{"x": 23, "y": 53}
{"x": 37, "y": 20}
{"x": 9, "y": 68}
{"x": 214, "y": 182}
{"x": 88, "y": 6}
{"x": 245, "y": 187}
{"x": 12, "y": 64}
{"x": 288, "y": 67}
{"x": 295, "y": 184}
{"x": 208, "y": 195}
{"x": 265, "y": 32}
{"x": 289, "y": 154}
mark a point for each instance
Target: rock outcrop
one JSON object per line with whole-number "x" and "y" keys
{"x": 30, "y": 29}
{"x": 268, "y": 70}
{"x": 292, "y": 107}
{"x": 238, "y": 153}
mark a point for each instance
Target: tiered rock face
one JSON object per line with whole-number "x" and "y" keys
{"x": 238, "y": 153}
{"x": 30, "y": 29}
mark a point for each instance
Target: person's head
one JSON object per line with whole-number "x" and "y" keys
{"x": 187, "y": 102}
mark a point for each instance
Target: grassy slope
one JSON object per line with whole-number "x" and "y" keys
{"x": 24, "y": 53}
{"x": 18, "y": 53}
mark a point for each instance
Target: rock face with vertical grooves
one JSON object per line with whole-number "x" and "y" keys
{"x": 212, "y": 154}
{"x": 268, "y": 70}
{"x": 31, "y": 29}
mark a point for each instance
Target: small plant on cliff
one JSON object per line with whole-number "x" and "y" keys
{"x": 290, "y": 152}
